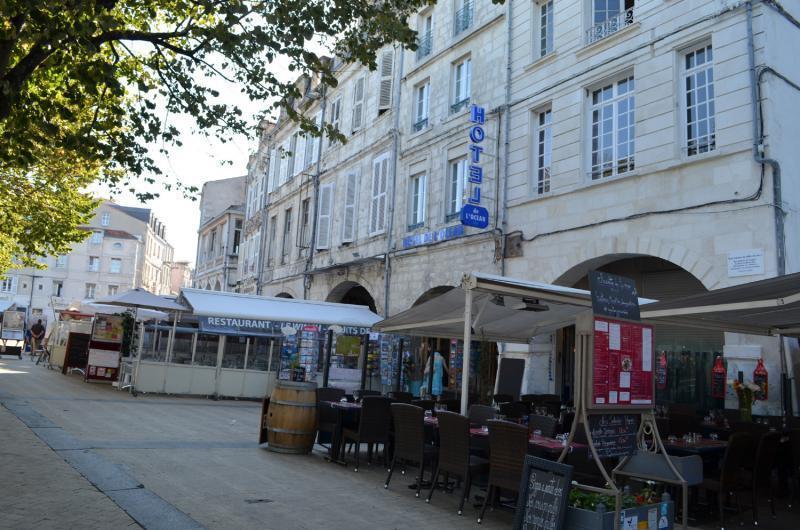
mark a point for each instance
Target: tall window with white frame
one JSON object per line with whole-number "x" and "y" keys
{"x": 94, "y": 264}
{"x": 700, "y": 113}
{"x": 424, "y": 35}
{"x": 335, "y": 118}
{"x": 464, "y": 16}
{"x": 105, "y": 219}
{"x": 112, "y": 289}
{"x": 273, "y": 223}
{"x": 287, "y": 232}
{"x": 416, "y": 201}
{"x": 612, "y": 118}
{"x": 305, "y": 233}
{"x": 462, "y": 81}
{"x": 543, "y": 149}
{"x": 358, "y": 104}
{"x": 543, "y": 10}
{"x": 608, "y": 17}
{"x": 115, "y": 266}
{"x": 237, "y": 236}
{"x": 90, "y": 290}
{"x": 456, "y": 175}
{"x": 421, "y": 98}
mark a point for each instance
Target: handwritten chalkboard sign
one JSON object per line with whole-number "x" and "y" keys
{"x": 543, "y": 495}
{"x": 614, "y": 296}
{"x": 614, "y": 434}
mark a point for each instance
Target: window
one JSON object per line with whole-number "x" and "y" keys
{"x": 105, "y": 219}
{"x": 97, "y": 237}
{"x": 544, "y": 15}
{"x": 61, "y": 262}
{"x": 58, "y": 287}
{"x": 94, "y": 263}
{"x": 287, "y": 232}
{"x": 325, "y": 217}
{"x": 8, "y": 285}
{"x": 237, "y": 236}
{"x": 543, "y": 150}
{"x": 612, "y": 129}
{"x": 212, "y": 244}
{"x": 349, "y": 220}
{"x": 273, "y": 223}
{"x": 387, "y": 80}
{"x": 90, "y": 289}
{"x": 358, "y": 104}
{"x": 416, "y": 201}
{"x": 700, "y": 115}
{"x": 455, "y": 188}
{"x": 421, "y": 97}
{"x": 608, "y": 17}
{"x": 462, "y": 78}
{"x": 116, "y": 265}
{"x": 463, "y": 18}
{"x": 336, "y": 118}
{"x": 424, "y": 36}
{"x": 284, "y": 155}
{"x": 377, "y": 211}
{"x": 112, "y": 290}
{"x": 311, "y": 142}
{"x": 117, "y": 246}
{"x": 305, "y": 227}
{"x": 274, "y": 163}
{"x": 295, "y": 149}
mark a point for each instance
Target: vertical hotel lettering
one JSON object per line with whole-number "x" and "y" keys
{"x": 473, "y": 213}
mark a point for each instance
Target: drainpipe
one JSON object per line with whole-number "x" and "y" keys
{"x": 506, "y": 143}
{"x": 387, "y": 265}
{"x": 758, "y": 150}
{"x": 315, "y": 201}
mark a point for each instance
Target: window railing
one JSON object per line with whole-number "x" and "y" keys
{"x": 463, "y": 18}
{"x": 459, "y": 105}
{"x": 421, "y": 124}
{"x": 424, "y": 45}
{"x": 611, "y": 25}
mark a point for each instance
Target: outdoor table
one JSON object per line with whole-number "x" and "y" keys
{"x": 343, "y": 409}
{"x": 701, "y": 447}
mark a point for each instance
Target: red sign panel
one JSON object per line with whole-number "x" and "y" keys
{"x": 622, "y": 364}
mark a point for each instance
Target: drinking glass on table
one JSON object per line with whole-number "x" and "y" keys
{"x": 428, "y": 414}
{"x": 537, "y": 432}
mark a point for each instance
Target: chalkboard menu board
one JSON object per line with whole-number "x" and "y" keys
{"x": 614, "y": 434}
{"x": 543, "y": 495}
{"x": 614, "y": 296}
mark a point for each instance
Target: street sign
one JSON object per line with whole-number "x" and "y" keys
{"x": 475, "y": 216}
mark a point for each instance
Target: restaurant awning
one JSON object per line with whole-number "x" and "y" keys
{"x": 252, "y": 307}
{"x": 764, "y": 307}
{"x": 503, "y": 309}
{"x": 141, "y": 298}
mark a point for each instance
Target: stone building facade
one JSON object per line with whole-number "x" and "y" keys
{"x": 650, "y": 139}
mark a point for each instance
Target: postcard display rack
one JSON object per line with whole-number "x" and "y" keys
{"x": 615, "y": 387}
{"x": 104, "y": 349}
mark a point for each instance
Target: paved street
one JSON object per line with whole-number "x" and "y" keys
{"x": 178, "y": 463}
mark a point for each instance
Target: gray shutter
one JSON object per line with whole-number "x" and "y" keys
{"x": 384, "y": 176}
{"x": 358, "y": 103}
{"x": 349, "y": 226}
{"x": 387, "y": 69}
{"x": 324, "y": 217}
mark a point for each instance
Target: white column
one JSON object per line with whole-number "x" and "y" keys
{"x": 467, "y": 341}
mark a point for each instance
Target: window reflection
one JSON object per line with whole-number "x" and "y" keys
{"x": 206, "y": 352}
{"x": 233, "y": 356}
{"x": 258, "y": 357}
{"x": 182, "y": 348}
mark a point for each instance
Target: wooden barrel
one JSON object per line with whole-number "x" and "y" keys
{"x": 292, "y": 423}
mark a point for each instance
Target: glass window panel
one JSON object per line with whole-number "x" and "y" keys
{"x": 233, "y": 355}
{"x": 182, "y": 348}
{"x": 206, "y": 351}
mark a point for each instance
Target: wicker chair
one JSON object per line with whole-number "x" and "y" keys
{"x": 409, "y": 441}
{"x": 329, "y": 393}
{"x": 453, "y": 405}
{"x": 373, "y": 426}
{"x": 508, "y": 445}
{"x": 731, "y": 479}
{"x": 480, "y": 414}
{"x": 401, "y": 397}
{"x": 514, "y": 410}
{"x": 454, "y": 454}
{"x": 326, "y": 416}
{"x": 762, "y": 471}
{"x": 546, "y": 424}
{"x": 424, "y": 404}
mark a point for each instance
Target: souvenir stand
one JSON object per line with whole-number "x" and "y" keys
{"x": 102, "y": 363}
{"x": 68, "y": 342}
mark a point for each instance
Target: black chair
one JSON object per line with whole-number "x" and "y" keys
{"x": 409, "y": 441}
{"x": 481, "y": 414}
{"x": 762, "y": 470}
{"x": 361, "y": 393}
{"x": 401, "y": 397}
{"x": 424, "y": 404}
{"x": 529, "y": 398}
{"x": 453, "y": 405}
{"x": 326, "y": 416}
{"x": 508, "y": 445}
{"x": 514, "y": 410}
{"x": 454, "y": 454}
{"x": 732, "y": 478}
{"x": 502, "y": 398}
{"x": 373, "y": 426}
{"x": 546, "y": 424}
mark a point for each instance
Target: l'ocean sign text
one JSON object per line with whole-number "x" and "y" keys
{"x": 473, "y": 213}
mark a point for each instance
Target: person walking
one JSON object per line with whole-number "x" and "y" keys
{"x": 37, "y": 334}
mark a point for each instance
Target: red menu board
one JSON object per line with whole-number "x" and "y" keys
{"x": 622, "y": 365}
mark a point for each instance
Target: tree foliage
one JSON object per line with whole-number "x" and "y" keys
{"x": 88, "y": 86}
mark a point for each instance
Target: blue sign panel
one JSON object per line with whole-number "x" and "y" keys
{"x": 476, "y": 216}
{"x": 433, "y": 237}
{"x": 263, "y": 328}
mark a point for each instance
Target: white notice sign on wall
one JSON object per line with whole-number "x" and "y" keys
{"x": 746, "y": 262}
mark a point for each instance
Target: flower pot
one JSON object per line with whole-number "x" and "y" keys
{"x": 658, "y": 516}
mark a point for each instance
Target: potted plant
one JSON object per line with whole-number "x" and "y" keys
{"x": 595, "y": 511}
{"x": 745, "y": 391}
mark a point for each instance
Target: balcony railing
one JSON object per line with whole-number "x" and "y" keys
{"x": 463, "y": 18}
{"x": 459, "y": 105}
{"x": 421, "y": 124}
{"x": 424, "y": 45}
{"x": 611, "y": 25}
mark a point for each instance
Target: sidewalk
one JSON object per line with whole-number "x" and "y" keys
{"x": 42, "y": 491}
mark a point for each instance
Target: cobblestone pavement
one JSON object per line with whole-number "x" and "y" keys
{"x": 198, "y": 462}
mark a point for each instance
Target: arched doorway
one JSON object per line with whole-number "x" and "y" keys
{"x": 283, "y": 295}
{"x": 690, "y": 352}
{"x": 351, "y": 293}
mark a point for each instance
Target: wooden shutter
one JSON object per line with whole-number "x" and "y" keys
{"x": 387, "y": 69}
{"x": 358, "y": 104}
{"x": 380, "y": 170}
{"x": 324, "y": 217}
{"x": 349, "y": 223}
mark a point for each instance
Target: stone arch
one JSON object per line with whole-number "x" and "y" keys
{"x": 350, "y": 292}
{"x": 283, "y": 294}
{"x": 431, "y": 293}
{"x": 595, "y": 254}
